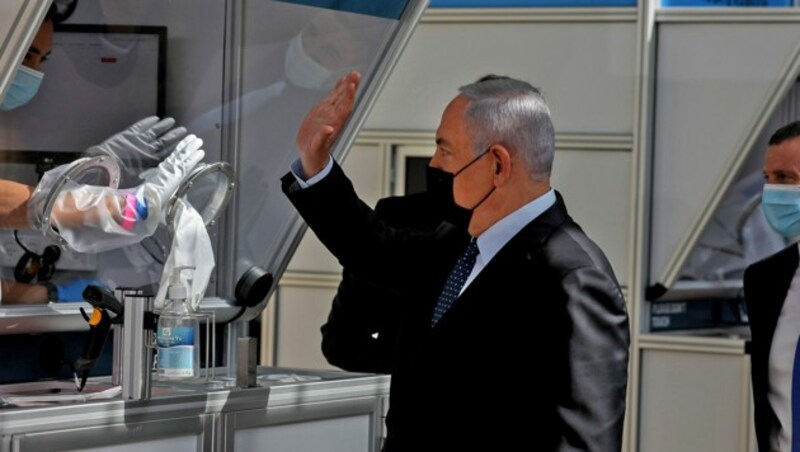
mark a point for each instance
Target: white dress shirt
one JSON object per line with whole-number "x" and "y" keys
{"x": 500, "y": 233}
{"x": 781, "y": 362}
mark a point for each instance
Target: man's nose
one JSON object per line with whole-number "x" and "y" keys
{"x": 435, "y": 162}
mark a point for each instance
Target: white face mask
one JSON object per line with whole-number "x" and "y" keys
{"x": 301, "y": 69}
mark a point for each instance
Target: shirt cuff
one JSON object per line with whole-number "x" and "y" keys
{"x": 297, "y": 172}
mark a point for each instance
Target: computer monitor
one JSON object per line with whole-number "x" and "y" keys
{"x": 98, "y": 80}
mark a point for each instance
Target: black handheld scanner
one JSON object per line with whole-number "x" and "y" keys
{"x": 99, "y": 326}
{"x": 103, "y": 300}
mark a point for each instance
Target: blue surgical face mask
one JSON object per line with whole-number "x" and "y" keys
{"x": 781, "y": 205}
{"x": 24, "y": 86}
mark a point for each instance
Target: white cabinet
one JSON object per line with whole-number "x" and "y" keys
{"x": 695, "y": 396}
{"x": 185, "y": 434}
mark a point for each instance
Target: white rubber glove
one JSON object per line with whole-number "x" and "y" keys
{"x": 140, "y": 146}
{"x": 92, "y": 219}
{"x": 164, "y": 180}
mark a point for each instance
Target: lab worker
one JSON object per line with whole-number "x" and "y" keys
{"x": 94, "y": 218}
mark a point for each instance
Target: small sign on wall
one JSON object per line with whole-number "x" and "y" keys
{"x": 526, "y": 3}
{"x": 706, "y": 3}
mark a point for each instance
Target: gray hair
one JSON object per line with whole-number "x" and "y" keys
{"x": 512, "y": 113}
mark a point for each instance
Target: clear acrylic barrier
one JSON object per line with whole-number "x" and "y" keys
{"x": 240, "y": 74}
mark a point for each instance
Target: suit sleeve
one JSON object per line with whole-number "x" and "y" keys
{"x": 361, "y": 308}
{"x": 357, "y": 312}
{"x": 591, "y": 402}
{"x": 353, "y": 233}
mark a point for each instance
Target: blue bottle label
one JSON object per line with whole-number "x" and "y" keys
{"x": 171, "y": 336}
{"x": 175, "y": 351}
{"x": 176, "y": 361}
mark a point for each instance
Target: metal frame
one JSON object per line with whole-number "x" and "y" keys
{"x": 219, "y": 200}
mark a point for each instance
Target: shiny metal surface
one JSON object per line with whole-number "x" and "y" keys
{"x": 137, "y": 356}
{"x": 62, "y": 317}
{"x": 214, "y": 416}
{"x": 215, "y": 202}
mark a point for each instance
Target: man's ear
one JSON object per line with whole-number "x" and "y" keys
{"x": 502, "y": 162}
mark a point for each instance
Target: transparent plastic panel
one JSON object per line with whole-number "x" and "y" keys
{"x": 738, "y": 233}
{"x": 239, "y": 74}
{"x": 292, "y": 56}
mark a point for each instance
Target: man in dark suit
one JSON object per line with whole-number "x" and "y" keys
{"x": 539, "y": 294}
{"x": 773, "y": 296}
{"x": 360, "y": 333}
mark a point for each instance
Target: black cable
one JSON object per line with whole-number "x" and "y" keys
{"x": 16, "y": 238}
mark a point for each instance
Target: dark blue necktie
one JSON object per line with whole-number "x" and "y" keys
{"x": 796, "y": 400}
{"x": 455, "y": 281}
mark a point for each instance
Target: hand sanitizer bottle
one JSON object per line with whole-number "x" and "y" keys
{"x": 178, "y": 335}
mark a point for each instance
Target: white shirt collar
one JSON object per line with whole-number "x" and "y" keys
{"x": 500, "y": 233}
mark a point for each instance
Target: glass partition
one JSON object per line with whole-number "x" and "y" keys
{"x": 240, "y": 74}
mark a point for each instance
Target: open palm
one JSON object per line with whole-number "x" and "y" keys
{"x": 324, "y": 122}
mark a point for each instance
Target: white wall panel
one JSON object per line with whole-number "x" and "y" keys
{"x": 301, "y": 311}
{"x": 707, "y": 101}
{"x": 586, "y": 71}
{"x": 596, "y": 186}
{"x": 693, "y": 402}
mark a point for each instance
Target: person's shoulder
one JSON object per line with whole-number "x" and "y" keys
{"x": 562, "y": 243}
{"x": 569, "y": 246}
{"x": 787, "y": 257}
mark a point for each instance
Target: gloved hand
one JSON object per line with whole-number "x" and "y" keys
{"x": 93, "y": 219}
{"x": 139, "y": 147}
{"x": 164, "y": 180}
{"x": 71, "y": 291}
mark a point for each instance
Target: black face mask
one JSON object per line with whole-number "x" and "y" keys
{"x": 440, "y": 189}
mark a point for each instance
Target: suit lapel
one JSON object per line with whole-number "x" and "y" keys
{"x": 518, "y": 255}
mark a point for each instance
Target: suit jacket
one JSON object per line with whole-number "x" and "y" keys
{"x": 766, "y": 284}
{"x": 362, "y": 308}
{"x": 548, "y": 301}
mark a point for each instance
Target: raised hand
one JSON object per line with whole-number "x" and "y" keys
{"x": 324, "y": 122}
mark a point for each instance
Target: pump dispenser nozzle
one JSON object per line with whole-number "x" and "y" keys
{"x": 177, "y": 290}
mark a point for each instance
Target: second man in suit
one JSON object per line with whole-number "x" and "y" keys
{"x": 772, "y": 294}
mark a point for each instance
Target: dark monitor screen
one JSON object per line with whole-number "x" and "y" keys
{"x": 98, "y": 80}
{"x": 415, "y": 174}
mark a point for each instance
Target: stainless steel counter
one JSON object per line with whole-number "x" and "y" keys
{"x": 291, "y": 409}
